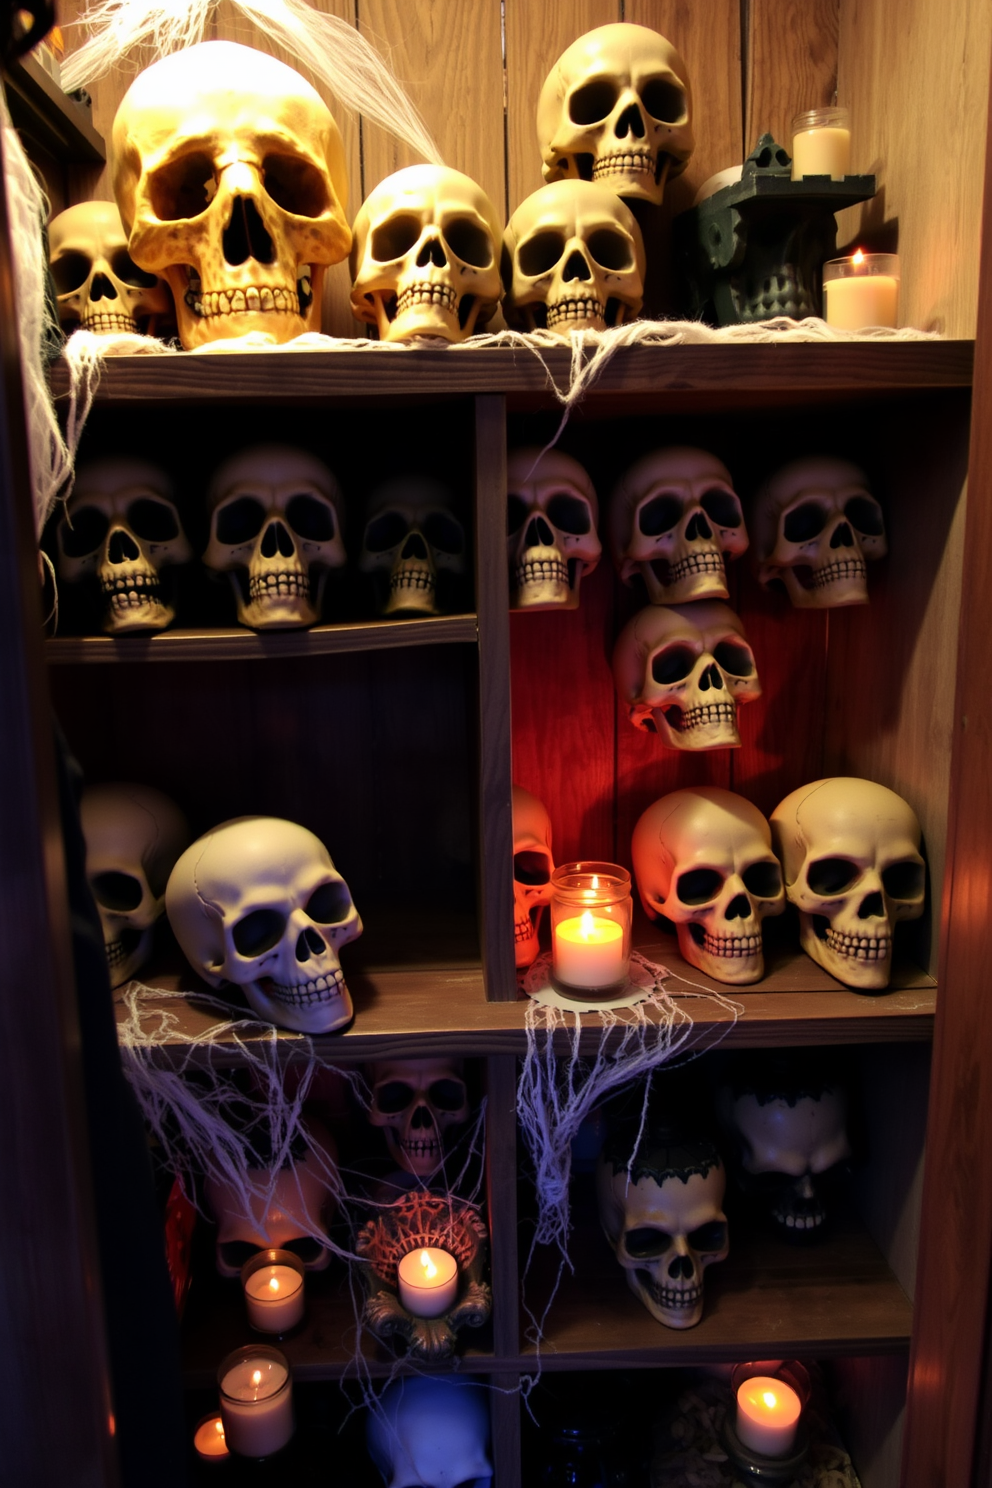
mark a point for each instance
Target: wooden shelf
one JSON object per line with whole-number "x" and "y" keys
{"x": 39, "y": 107}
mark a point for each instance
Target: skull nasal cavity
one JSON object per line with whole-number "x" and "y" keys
{"x": 102, "y": 289}
{"x": 245, "y": 235}
{"x": 710, "y": 678}
{"x": 432, "y": 252}
{"x": 308, "y": 942}
{"x": 870, "y": 906}
{"x": 698, "y": 527}
{"x": 681, "y": 1266}
{"x": 539, "y": 534}
{"x": 739, "y": 908}
{"x": 414, "y": 547}
{"x": 576, "y": 268}
{"x": 421, "y": 1118}
{"x": 842, "y": 537}
{"x": 122, "y": 548}
{"x": 277, "y": 540}
{"x": 630, "y": 122}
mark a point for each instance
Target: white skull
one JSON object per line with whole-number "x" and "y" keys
{"x": 815, "y": 526}
{"x": 229, "y": 172}
{"x": 425, "y": 260}
{"x": 675, "y": 519}
{"x": 416, "y": 1102}
{"x": 98, "y": 285}
{"x": 551, "y": 517}
{"x": 121, "y": 528}
{"x": 616, "y": 108}
{"x": 134, "y": 835}
{"x": 851, "y": 854}
{"x": 533, "y": 866}
{"x": 288, "y": 1208}
{"x": 411, "y": 535}
{"x": 665, "y": 1220}
{"x": 258, "y": 902}
{"x": 573, "y": 258}
{"x": 682, "y": 671}
{"x": 703, "y": 859}
{"x": 275, "y": 528}
{"x": 431, "y": 1431}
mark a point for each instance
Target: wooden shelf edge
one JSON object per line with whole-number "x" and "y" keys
{"x": 38, "y": 104}
{"x": 688, "y": 1354}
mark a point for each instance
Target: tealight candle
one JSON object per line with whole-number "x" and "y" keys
{"x": 256, "y": 1400}
{"x": 767, "y": 1415}
{"x": 428, "y": 1282}
{"x": 862, "y": 290}
{"x": 590, "y": 925}
{"x": 209, "y": 1441}
{"x": 273, "y": 1288}
{"x": 821, "y": 144}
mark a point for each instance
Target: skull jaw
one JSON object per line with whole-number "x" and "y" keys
{"x": 279, "y": 611}
{"x": 540, "y": 578}
{"x": 576, "y": 313}
{"x": 148, "y": 612}
{"x": 304, "y": 1009}
{"x": 825, "y": 593}
{"x": 281, "y": 322}
{"x": 412, "y": 591}
{"x": 424, "y": 310}
{"x": 870, "y": 971}
{"x": 718, "y": 733}
{"x": 675, "y": 1307}
{"x": 422, "y": 1158}
{"x": 735, "y": 969}
{"x": 108, "y": 323}
{"x": 124, "y": 956}
{"x": 525, "y": 942}
{"x": 638, "y": 174}
{"x": 704, "y": 582}
{"x": 801, "y": 1222}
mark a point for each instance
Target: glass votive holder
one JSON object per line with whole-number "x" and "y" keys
{"x": 591, "y": 913}
{"x": 209, "y": 1441}
{"x": 272, "y": 1282}
{"x": 765, "y": 1434}
{"x": 862, "y": 290}
{"x": 256, "y": 1400}
{"x": 821, "y": 144}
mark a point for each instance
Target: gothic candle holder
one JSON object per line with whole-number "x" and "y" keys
{"x": 591, "y": 912}
{"x": 765, "y": 1436}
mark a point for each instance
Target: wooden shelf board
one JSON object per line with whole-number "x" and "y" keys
{"x": 40, "y": 107}
{"x": 236, "y": 644}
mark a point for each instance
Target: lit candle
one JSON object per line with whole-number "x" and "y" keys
{"x": 428, "y": 1282}
{"x": 256, "y": 1400}
{"x": 767, "y": 1415}
{"x": 821, "y": 144}
{"x": 274, "y": 1297}
{"x": 588, "y": 951}
{"x": 862, "y": 290}
{"x": 209, "y": 1440}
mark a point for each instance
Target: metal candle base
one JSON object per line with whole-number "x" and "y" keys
{"x": 755, "y": 1468}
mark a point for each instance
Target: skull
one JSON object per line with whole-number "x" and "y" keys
{"x": 133, "y": 837}
{"x": 703, "y": 859}
{"x": 288, "y": 1207}
{"x": 674, "y": 520}
{"x": 533, "y": 866}
{"x": 275, "y": 528}
{"x": 425, "y": 260}
{"x": 664, "y": 1219}
{"x": 815, "y": 525}
{"x": 431, "y": 1431}
{"x": 551, "y": 517}
{"x": 573, "y": 258}
{"x": 851, "y": 854}
{"x": 230, "y": 177}
{"x": 616, "y": 108}
{"x": 411, "y": 536}
{"x": 98, "y": 285}
{"x": 417, "y": 1102}
{"x": 121, "y": 527}
{"x": 258, "y": 902}
{"x": 682, "y": 671}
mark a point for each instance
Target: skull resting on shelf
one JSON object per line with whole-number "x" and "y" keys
{"x": 533, "y": 866}
{"x": 431, "y": 1431}
{"x": 816, "y": 525}
{"x": 418, "y": 1104}
{"x": 551, "y": 517}
{"x": 412, "y": 538}
{"x": 134, "y": 835}
{"x": 98, "y": 285}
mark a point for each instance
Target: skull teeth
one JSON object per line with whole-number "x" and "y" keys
{"x": 860, "y": 947}
{"x": 731, "y": 945}
{"x": 441, "y": 295}
{"x": 278, "y": 586}
{"x": 131, "y": 591}
{"x": 834, "y": 573}
{"x": 811, "y": 1220}
{"x": 305, "y": 994}
{"x": 255, "y": 300}
{"x": 585, "y": 308}
{"x": 522, "y": 930}
{"x": 625, "y": 162}
{"x": 695, "y": 563}
{"x": 418, "y": 579}
{"x": 704, "y": 714}
{"x": 541, "y": 571}
{"x": 116, "y": 952}
{"x": 105, "y": 322}
{"x": 422, "y": 1148}
{"x": 668, "y": 1297}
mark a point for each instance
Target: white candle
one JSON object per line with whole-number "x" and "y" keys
{"x": 256, "y": 1403}
{"x": 209, "y": 1441}
{"x": 767, "y": 1415}
{"x": 821, "y": 152}
{"x": 274, "y": 1298}
{"x": 588, "y": 951}
{"x": 858, "y": 292}
{"x": 428, "y": 1282}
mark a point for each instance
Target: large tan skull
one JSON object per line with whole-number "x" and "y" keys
{"x": 230, "y": 177}
{"x": 703, "y": 859}
{"x": 682, "y": 671}
{"x": 675, "y": 519}
{"x": 98, "y": 285}
{"x": 425, "y": 260}
{"x": 533, "y": 866}
{"x": 573, "y": 258}
{"x": 417, "y": 1102}
{"x": 121, "y": 527}
{"x": 275, "y": 528}
{"x": 616, "y": 108}
{"x": 551, "y": 517}
{"x": 815, "y": 525}
{"x": 851, "y": 854}
{"x": 411, "y": 536}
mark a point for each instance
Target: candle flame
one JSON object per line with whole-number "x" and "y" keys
{"x": 256, "y": 1378}
{"x": 219, "y": 1425}
{"x": 587, "y": 924}
{"x": 430, "y": 1270}
{"x": 273, "y": 1284}
{"x": 595, "y": 881}
{"x": 770, "y": 1399}
{"x": 858, "y": 257}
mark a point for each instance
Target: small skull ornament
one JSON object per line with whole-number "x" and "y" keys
{"x": 98, "y": 285}
{"x": 425, "y": 260}
{"x": 533, "y": 866}
{"x": 703, "y": 859}
{"x": 851, "y": 854}
{"x": 682, "y": 671}
{"x": 431, "y": 1431}
{"x": 275, "y": 529}
{"x": 229, "y": 173}
{"x": 663, "y": 1215}
{"x": 816, "y": 525}
{"x": 258, "y": 902}
{"x": 573, "y": 259}
{"x": 411, "y": 537}
{"x": 418, "y": 1103}
{"x": 121, "y": 528}
{"x": 616, "y": 109}
{"x": 134, "y": 835}
{"x": 675, "y": 519}
{"x": 551, "y": 517}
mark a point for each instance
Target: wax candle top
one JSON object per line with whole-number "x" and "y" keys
{"x": 769, "y": 1400}
{"x": 273, "y": 1283}
{"x": 255, "y": 1379}
{"x": 590, "y": 928}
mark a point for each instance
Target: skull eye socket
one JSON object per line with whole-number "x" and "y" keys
{"x": 154, "y": 521}
{"x": 659, "y": 515}
{"x": 904, "y": 880}
{"x": 804, "y": 522}
{"x": 592, "y": 102}
{"x": 385, "y": 532}
{"x": 664, "y": 101}
{"x": 259, "y": 931}
{"x": 735, "y": 658}
{"x": 832, "y": 876}
{"x": 89, "y": 528}
{"x": 722, "y": 508}
{"x": 540, "y": 253}
{"x": 127, "y": 271}
{"x": 330, "y": 904}
{"x": 117, "y": 891}
{"x": 447, "y": 1094}
{"x": 646, "y": 1242}
{"x": 865, "y": 516}
{"x": 395, "y": 237}
{"x": 764, "y": 880}
{"x": 673, "y": 664}
{"x": 698, "y": 886}
{"x": 182, "y": 188}
{"x": 240, "y": 521}
{"x": 709, "y": 1237}
{"x": 469, "y": 241}
{"x": 517, "y": 510}
{"x": 392, "y": 1097}
{"x": 443, "y": 532}
{"x": 70, "y": 272}
{"x": 611, "y": 249}
{"x": 531, "y": 868}
{"x": 310, "y": 519}
{"x": 295, "y": 185}
{"x": 569, "y": 514}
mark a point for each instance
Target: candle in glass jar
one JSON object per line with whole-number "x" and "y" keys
{"x": 862, "y": 290}
{"x": 209, "y": 1441}
{"x": 256, "y": 1401}
{"x": 588, "y": 951}
{"x": 821, "y": 144}
{"x": 274, "y": 1298}
{"x": 428, "y": 1282}
{"x": 767, "y": 1415}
